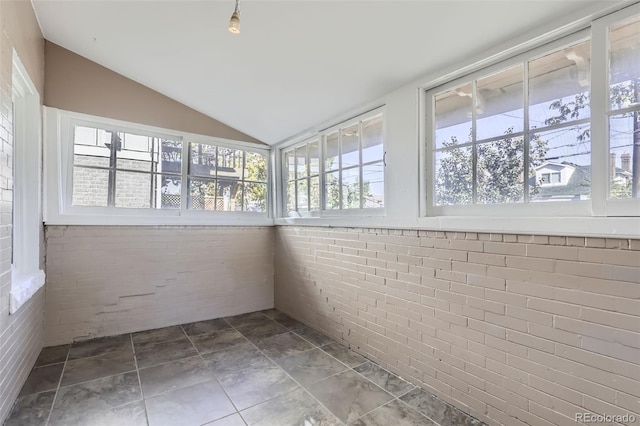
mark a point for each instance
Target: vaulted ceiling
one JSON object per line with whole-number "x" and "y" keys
{"x": 295, "y": 63}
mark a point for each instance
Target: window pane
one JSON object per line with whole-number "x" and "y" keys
{"x": 624, "y": 60}
{"x": 314, "y": 192}
{"x": 453, "y": 116}
{"x": 229, "y": 163}
{"x": 255, "y": 197}
{"x": 331, "y": 151}
{"x": 500, "y": 171}
{"x": 314, "y": 158}
{"x": 229, "y": 195}
{"x": 372, "y": 137}
{"x": 500, "y": 103}
{"x": 171, "y": 156}
{"x": 559, "y": 85}
{"x": 350, "y": 146}
{"x": 90, "y": 187}
{"x": 373, "y": 185}
{"x": 85, "y": 136}
{"x": 255, "y": 167}
{"x": 202, "y": 194}
{"x": 289, "y": 165}
{"x": 170, "y": 190}
{"x": 303, "y": 195}
{"x": 301, "y": 162}
{"x": 454, "y": 177}
{"x": 203, "y": 160}
{"x": 351, "y": 188}
{"x": 91, "y": 160}
{"x": 332, "y": 190}
{"x": 133, "y": 190}
{"x": 566, "y": 151}
{"x": 621, "y": 159}
{"x": 291, "y": 196}
{"x": 136, "y": 152}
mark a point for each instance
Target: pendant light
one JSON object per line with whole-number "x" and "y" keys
{"x": 234, "y": 22}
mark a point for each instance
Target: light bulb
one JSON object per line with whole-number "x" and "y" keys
{"x": 234, "y": 23}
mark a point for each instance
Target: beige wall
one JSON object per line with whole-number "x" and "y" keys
{"x": 105, "y": 280}
{"x": 74, "y": 83}
{"x": 21, "y": 334}
{"x": 513, "y": 329}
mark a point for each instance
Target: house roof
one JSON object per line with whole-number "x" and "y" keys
{"x": 296, "y": 64}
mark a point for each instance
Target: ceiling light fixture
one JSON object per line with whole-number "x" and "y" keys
{"x": 234, "y": 22}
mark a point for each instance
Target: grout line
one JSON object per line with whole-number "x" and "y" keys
{"x": 55, "y": 396}
{"x": 135, "y": 361}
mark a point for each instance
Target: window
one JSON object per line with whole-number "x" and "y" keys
{"x": 226, "y": 179}
{"x": 340, "y": 169}
{"x": 124, "y": 173}
{"x": 26, "y": 275}
{"x": 520, "y": 132}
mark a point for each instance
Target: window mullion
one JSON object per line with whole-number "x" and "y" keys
{"x": 185, "y": 194}
{"x": 599, "y": 118}
{"x": 525, "y": 157}
{"x": 361, "y": 183}
{"x": 474, "y": 150}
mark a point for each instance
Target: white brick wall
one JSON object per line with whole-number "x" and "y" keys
{"x": 107, "y": 280}
{"x": 21, "y": 334}
{"x": 514, "y": 329}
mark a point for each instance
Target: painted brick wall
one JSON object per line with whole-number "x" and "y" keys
{"x": 21, "y": 334}
{"x": 107, "y": 280}
{"x": 514, "y": 329}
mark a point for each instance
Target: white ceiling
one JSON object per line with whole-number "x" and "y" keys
{"x": 295, "y": 63}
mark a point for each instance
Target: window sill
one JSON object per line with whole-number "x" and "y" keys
{"x": 23, "y": 287}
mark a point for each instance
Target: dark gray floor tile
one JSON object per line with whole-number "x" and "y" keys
{"x": 208, "y": 326}
{"x": 383, "y": 378}
{"x": 218, "y": 340}
{"x": 293, "y": 408}
{"x": 52, "y": 355}
{"x": 95, "y": 367}
{"x": 312, "y": 335}
{"x": 133, "y": 414}
{"x": 311, "y": 366}
{"x": 246, "y": 319}
{"x": 31, "y": 410}
{"x": 158, "y": 335}
{"x": 232, "y": 420}
{"x": 284, "y": 319}
{"x": 344, "y": 354}
{"x": 349, "y": 395}
{"x": 264, "y": 329}
{"x": 438, "y": 410}
{"x": 282, "y": 345}
{"x": 251, "y": 387}
{"x": 234, "y": 358}
{"x": 394, "y": 413}
{"x": 87, "y": 398}
{"x": 158, "y": 353}
{"x": 99, "y": 346}
{"x": 42, "y": 379}
{"x": 193, "y": 405}
{"x": 173, "y": 375}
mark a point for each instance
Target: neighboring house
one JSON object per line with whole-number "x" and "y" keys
{"x": 567, "y": 181}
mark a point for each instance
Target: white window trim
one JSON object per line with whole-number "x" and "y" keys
{"x": 323, "y": 213}
{"x": 26, "y": 276}
{"x": 597, "y": 206}
{"x": 58, "y": 163}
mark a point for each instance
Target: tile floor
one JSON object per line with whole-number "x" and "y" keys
{"x": 261, "y": 368}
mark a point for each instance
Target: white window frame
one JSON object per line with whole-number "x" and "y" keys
{"x": 26, "y": 276}
{"x": 58, "y": 188}
{"x": 599, "y": 204}
{"x": 320, "y": 136}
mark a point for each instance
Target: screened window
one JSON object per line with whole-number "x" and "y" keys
{"x": 226, "y": 179}
{"x": 125, "y": 170}
{"x": 340, "y": 169}
{"x": 520, "y": 132}
{"x": 504, "y": 136}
